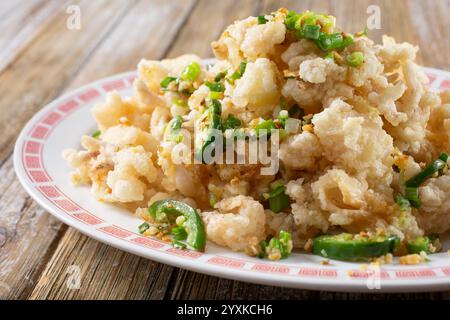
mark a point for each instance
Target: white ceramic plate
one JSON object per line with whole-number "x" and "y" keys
{"x": 44, "y": 175}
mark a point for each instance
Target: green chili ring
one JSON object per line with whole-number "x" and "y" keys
{"x": 339, "y": 247}
{"x": 169, "y": 210}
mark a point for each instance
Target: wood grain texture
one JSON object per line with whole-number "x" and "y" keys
{"x": 37, "y": 76}
{"x": 42, "y": 58}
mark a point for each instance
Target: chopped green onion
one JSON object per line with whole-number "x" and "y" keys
{"x": 279, "y": 202}
{"x": 262, "y": 249}
{"x": 355, "y": 59}
{"x": 329, "y": 55}
{"x": 238, "y": 74}
{"x": 283, "y": 116}
{"x": 278, "y": 199}
{"x": 310, "y": 32}
{"x": 96, "y": 134}
{"x": 175, "y": 129}
{"x": 276, "y": 184}
{"x": 143, "y": 227}
{"x": 212, "y": 199}
{"x": 216, "y": 86}
{"x": 262, "y": 20}
{"x": 191, "y": 72}
{"x": 281, "y": 244}
{"x": 444, "y": 157}
{"x": 231, "y": 123}
{"x": 364, "y": 33}
{"x": 166, "y": 81}
{"x": 291, "y": 20}
{"x": 213, "y": 95}
{"x": 220, "y": 76}
{"x": 180, "y": 102}
{"x": 402, "y": 202}
{"x": 412, "y": 194}
{"x": 267, "y": 125}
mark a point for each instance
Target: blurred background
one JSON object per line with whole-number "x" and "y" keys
{"x": 48, "y": 47}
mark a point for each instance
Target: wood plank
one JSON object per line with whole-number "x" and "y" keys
{"x": 105, "y": 273}
{"x": 44, "y": 69}
{"x": 145, "y": 32}
{"x": 27, "y": 232}
{"x": 206, "y": 23}
{"x": 20, "y": 22}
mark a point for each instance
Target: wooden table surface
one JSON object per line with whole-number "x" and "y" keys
{"x": 40, "y": 58}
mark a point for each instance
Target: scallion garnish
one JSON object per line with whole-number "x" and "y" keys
{"x": 216, "y": 86}
{"x": 96, "y": 134}
{"x": 143, "y": 227}
{"x": 355, "y": 59}
{"x": 278, "y": 199}
{"x": 231, "y": 123}
{"x": 402, "y": 202}
{"x": 412, "y": 194}
{"x": 191, "y": 72}
{"x": 262, "y": 20}
{"x": 166, "y": 81}
{"x": 238, "y": 74}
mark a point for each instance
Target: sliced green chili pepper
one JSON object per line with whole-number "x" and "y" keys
{"x": 418, "y": 245}
{"x": 348, "y": 248}
{"x": 412, "y": 185}
{"x": 191, "y": 72}
{"x": 212, "y": 122}
{"x": 178, "y": 244}
{"x": 179, "y": 233}
{"x": 166, "y": 81}
{"x": 431, "y": 169}
{"x": 166, "y": 211}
